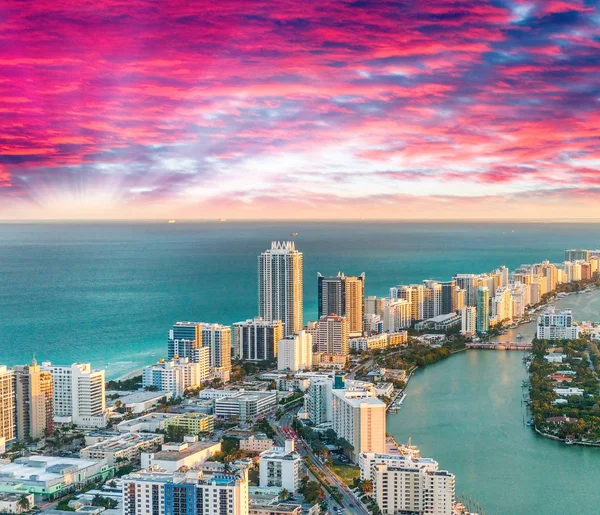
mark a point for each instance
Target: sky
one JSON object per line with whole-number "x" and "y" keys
{"x": 125, "y": 109}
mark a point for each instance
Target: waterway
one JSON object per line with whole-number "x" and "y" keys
{"x": 467, "y": 413}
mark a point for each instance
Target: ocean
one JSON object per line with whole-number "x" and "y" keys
{"x": 107, "y": 293}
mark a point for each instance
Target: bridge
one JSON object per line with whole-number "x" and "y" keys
{"x": 500, "y": 346}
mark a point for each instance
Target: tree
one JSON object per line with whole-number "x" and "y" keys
{"x": 284, "y": 495}
{"x": 367, "y": 487}
{"x": 23, "y": 503}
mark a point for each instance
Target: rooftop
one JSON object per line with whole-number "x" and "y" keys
{"x": 185, "y": 452}
{"x": 43, "y": 468}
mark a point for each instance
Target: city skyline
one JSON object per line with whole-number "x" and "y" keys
{"x": 339, "y": 110}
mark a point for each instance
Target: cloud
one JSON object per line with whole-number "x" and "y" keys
{"x": 140, "y": 104}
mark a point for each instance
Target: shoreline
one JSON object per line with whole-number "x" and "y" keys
{"x": 129, "y": 375}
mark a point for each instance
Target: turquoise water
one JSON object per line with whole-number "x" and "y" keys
{"x": 108, "y": 292}
{"x": 466, "y": 412}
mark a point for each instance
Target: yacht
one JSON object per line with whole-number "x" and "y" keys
{"x": 520, "y": 335}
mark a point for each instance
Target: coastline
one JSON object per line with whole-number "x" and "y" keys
{"x": 130, "y": 375}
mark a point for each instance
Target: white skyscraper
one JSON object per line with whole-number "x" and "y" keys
{"x": 280, "y": 286}
{"x": 469, "y": 320}
{"x": 78, "y": 394}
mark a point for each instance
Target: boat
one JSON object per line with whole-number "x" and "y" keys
{"x": 520, "y": 335}
{"x": 568, "y": 441}
{"x": 222, "y": 219}
{"x": 172, "y": 221}
{"x": 294, "y": 234}
{"x": 528, "y": 423}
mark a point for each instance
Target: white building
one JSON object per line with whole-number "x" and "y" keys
{"x": 408, "y": 484}
{"x": 368, "y": 343}
{"x": 502, "y": 305}
{"x": 359, "y": 418}
{"x": 144, "y": 492}
{"x": 177, "y": 374}
{"x": 295, "y": 352}
{"x": 280, "y": 467}
{"x": 469, "y": 321}
{"x": 174, "y": 455}
{"x": 318, "y": 401}
{"x": 78, "y": 394}
{"x": 397, "y": 315}
{"x": 123, "y": 447}
{"x": 332, "y": 335}
{"x": 245, "y": 406}
{"x": 553, "y": 325}
{"x": 280, "y": 286}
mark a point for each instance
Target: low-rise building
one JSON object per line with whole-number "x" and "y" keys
{"x": 174, "y": 455}
{"x": 274, "y": 509}
{"x": 122, "y": 448}
{"x": 13, "y": 503}
{"x": 565, "y": 392}
{"x": 150, "y": 423}
{"x": 256, "y": 443}
{"x": 176, "y": 375}
{"x": 555, "y": 357}
{"x": 280, "y": 467}
{"x": 193, "y": 423}
{"x": 138, "y": 402}
{"x": 440, "y": 323}
{"x": 245, "y": 406}
{"x": 49, "y": 477}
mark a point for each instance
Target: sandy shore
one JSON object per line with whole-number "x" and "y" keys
{"x": 129, "y": 375}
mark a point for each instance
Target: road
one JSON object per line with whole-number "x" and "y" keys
{"x": 348, "y": 504}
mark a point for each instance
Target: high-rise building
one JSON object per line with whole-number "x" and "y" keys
{"x": 280, "y": 286}
{"x": 177, "y": 375}
{"x": 318, "y": 400}
{"x": 7, "y": 404}
{"x": 144, "y": 492}
{"x": 344, "y": 296}
{"x": 468, "y": 282}
{"x": 280, "y": 467}
{"x": 502, "y": 305}
{"x": 256, "y": 339}
{"x": 295, "y": 352}
{"x": 448, "y": 296}
{"x": 78, "y": 394}
{"x": 459, "y": 299}
{"x": 483, "y": 309}
{"x": 185, "y": 338}
{"x": 577, "y": 254}
{"x": 332, "y": 335}
{"x": 359, "y": 418}
{"x": 374, "y": 305}
{"x": 397, "y": 315}
{"x": 34, "y": 401}
{"x": 469, "y": 320}
{"x": 406, "y": 483}
{"x": 432, "y": 299}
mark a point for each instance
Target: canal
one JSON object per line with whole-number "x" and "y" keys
{"x": 467, "y": 413}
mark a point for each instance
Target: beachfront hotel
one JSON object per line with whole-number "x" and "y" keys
{"x": 185, "y": 338}
{"x": 280, "y": 286}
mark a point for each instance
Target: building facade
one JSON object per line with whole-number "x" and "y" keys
{"x": 295, "y": 352}
{"x": 33, "y": 402}
{"x": 280, "y": 286}
{"x": 343, "y": 296}
{"x": 257, "y": 339}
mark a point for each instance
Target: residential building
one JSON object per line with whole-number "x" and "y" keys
{"x": 201, "y": 493}
{"x": 7, "y": 405}
{"x": 280, "y": 467}
{"x": 277, "y": 508}
{"x": 280, "y": 286}
{"x": 193, "y": 423}
{"x": 397, "y": 315}
{"x": 469, "y": 321}
{"x": 448, "y": 296}
{"x": 185, "y": 338}
{"x": 12, "y": 503}
{"x": 415, "y": 296}
{"x": 332, "y": 335}
{"x": 33, "y": 388}
{"x": 256, "y": 339}
{"x": 432, "y": 299}
{"x": 408, "y": 484}
{"x": 557, "y": 325}
{"x": 144, "y": 492}
{"x": 149, "y": 423}
{"x": 577, "y": 254}
{"x": 295, "y": 352}
{"x": 374, "y": 305}
{"x": 373, "y": 324}
{"x": 502, "y": 305}
{"x": 343, "y": 296}
{"x": 122, "y": 448}
{"x": 78, "y": 394}
{"x": 318, "y": 401}
{"x": 483, "y": 310}
{"x": 468, "y": 282}
{"x": 176, "y": 375}
{"x": 256, "y": 443}
{"x": 359, "y": 418}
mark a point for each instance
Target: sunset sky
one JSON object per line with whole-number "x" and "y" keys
{"x": 300, "y": 109}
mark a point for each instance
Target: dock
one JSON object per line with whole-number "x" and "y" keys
{"x": 500, "y": 346}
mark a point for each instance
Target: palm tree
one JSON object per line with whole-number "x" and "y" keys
{"x": 367, "y": 486}
{"x": 23, "y": 503}
{"x": 284, "y": 495}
